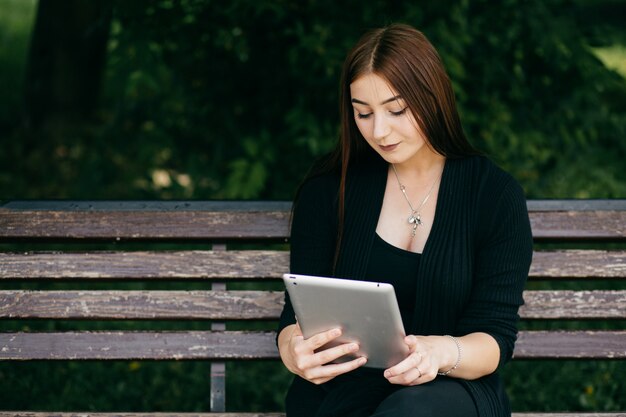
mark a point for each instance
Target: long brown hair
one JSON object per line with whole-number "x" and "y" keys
{"x": 403, "y": 56}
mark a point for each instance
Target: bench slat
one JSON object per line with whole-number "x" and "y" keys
{"x": 249, "y": 264}
{"x": 93, "y": 221}
{"x": 571, "y": 345}
{"x": 174, "y": 414}
{"x": 168, "y": 414}
{"x": 253, "y": 264}
{"x": 573, "y": 305}
{"x": 564, "y": 204}
{"x": 138, "y": 345}
{"x": 137, "y": 305}
{"x": 143, "y": 225}
{"x": 171, "y": 414}
{"x": 572, "y": 225}
{"x": 256, "y": 305}
{"x": 578, "y": 264}
{"x": 261, "y": 345}
{"x": 576, "y": 414}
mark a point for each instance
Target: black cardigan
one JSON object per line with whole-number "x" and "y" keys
{"x": 472, "y": 270}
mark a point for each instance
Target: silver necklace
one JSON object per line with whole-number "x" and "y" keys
{"x": 415, "y": 218}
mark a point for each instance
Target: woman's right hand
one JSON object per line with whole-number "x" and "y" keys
{"x": 299, "y": 355}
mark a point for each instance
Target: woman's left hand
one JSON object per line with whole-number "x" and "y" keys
{"x": 421, "y": 365}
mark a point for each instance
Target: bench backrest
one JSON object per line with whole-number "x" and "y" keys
{"x": 229, "y": 242}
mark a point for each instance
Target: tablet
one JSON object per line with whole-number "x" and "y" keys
{"x": 367, "y": 312}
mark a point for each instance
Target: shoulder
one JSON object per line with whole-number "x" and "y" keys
{"x": 485, "y": 189}
{"x": 481, "y": 168}
{"x": 485, "y": 180}
{"x": 494, "y": 195}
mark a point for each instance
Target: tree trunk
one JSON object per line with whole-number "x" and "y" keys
{"x": 66, "y": 60}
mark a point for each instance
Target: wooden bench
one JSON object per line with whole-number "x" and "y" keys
{"x": 26, "y": 226}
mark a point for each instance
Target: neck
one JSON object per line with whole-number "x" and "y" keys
{"x": 422, "y": 168}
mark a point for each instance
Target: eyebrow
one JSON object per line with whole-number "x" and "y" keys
{"x": 389, "y": 100}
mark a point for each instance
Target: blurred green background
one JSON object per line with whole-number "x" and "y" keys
{"x": 233, "y": 99}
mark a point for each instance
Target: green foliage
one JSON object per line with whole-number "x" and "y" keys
{"x": 258, "y": 386}
{"x": 565, "y": 385}
{"x": 98, "y": 386}
{"x": 16, "y": 21}
{"x": 234, "y": 100}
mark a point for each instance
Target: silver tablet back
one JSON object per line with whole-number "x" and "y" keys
{"x": 367, "y": 312}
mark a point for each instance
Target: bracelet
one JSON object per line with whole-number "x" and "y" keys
{"x": 458, "y": 359}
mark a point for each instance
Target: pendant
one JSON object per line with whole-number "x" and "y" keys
{"x": 416, "y": 220}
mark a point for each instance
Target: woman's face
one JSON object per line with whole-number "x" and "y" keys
{"x": 385, "y": 121}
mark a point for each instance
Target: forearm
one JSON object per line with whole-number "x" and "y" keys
{"x": 480, "y": 355}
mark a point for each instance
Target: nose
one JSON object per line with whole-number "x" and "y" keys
{"x": 381, "y": 127}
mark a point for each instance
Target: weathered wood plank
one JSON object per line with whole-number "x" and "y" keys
{"x": 572, "y": 225}
{"x": 253, "y": 264}
{"x": 145, "y": 265}
{"x": 574, "y": 305}
{"x": 578, "y": 264}
{"x": 175, "y": 414}
{"x": 261, "y": 345}
{"x": 576, "y": 414}
{"x": 245, "y": 220}
{"x": 138, "y": 345}
{"x": 564, "y": 204}
{"x": 571, "y": 345}
{"x": 143, "y": 225}
{"x": 148, "y": 414}
{"x": 141, "y": 305}
{"x": 255, "y": 305}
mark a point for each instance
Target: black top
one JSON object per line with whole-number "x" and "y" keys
{"x": 473, "y": 267}
{"x": 397, "y": 267}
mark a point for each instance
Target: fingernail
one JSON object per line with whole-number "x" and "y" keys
{"x": 362, "y": 361}
{"x": 354, "y": 347}
{"x": 336, "y": 332}
{"x": 387, "y": 374}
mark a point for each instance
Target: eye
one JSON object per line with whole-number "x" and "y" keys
{"x": 363, "y": 116}
{"x": 399, "y": 113}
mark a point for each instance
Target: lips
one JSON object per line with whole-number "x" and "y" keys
{"x": 389, "y": 148}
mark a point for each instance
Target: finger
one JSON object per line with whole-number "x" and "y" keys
{"x": 331, "y": 371}
{"x": 411, "y": 362}
{"x": 411, "y": 341}
{"x": 330, "y": 354}
{"x": 320, "y": 339}
{"x": 410, "y": 377}
{"x": 296, "y": 334}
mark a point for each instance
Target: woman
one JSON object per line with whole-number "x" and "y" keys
{"x": 406, "y": 199}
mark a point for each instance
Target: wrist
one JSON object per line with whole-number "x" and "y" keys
{"x": 452, "y": 355}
